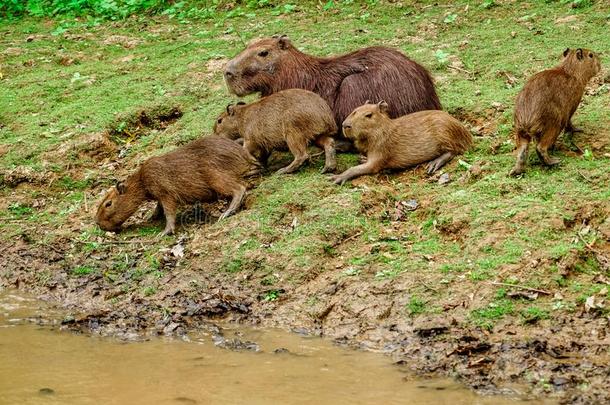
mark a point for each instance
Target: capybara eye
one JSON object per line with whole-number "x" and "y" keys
{"x": 369, "y": 115}
{"x": 590, "y": 55}
{"x": 220, "y": 120}
{"x": 108, "y": 204}
{"x": 263, "y": 53}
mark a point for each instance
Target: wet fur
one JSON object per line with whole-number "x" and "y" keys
{"x": 425, "y": 136}
{"x": 345, "y": 82}
{"x": 290, "y": 118}
{"x": 201, "y": 170}
{"x": 547, "y": 102}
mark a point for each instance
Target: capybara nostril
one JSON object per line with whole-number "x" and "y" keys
{"x": 346, "y": 126}
{"x": 228, "y": 74}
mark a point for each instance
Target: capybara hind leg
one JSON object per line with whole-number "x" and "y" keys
{"x": 522, "y": 149}
{"x": 169, "y": 209}
{"x": 238, "y": 197}
{"x": 298, "y": 148}
{"x": 370, "y": 167}
{"x": 328, "y": 144}
{"x": 547, "y": 141}
{"x": 439, "y": 162}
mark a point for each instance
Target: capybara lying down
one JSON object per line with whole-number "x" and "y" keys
{"x": 547, "y": 102}
{"x": 201, "y": 170}
{"x": 425, "y": 136}
{"x": 270, "y": 65}
{"x": 290, "y": 118}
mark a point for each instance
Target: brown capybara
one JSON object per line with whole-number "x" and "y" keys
{"x": 547, "y": 102}
{"x": 425, "y": 136}
{"x": 270, "y": 65}
{"x": 201, "y": 170}
{"x": 290, "y": 118}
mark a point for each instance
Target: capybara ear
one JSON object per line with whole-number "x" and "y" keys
{"x": 120, "y": 186}
{"x": 383, "y": 106}
{"x": 283, "y": 41}
{"x": 565, "y": 53}
{"x": 231, "y": 109}
{"x": 579, "y": 53}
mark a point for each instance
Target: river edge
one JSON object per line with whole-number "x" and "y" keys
{"x": 559, "y": 363}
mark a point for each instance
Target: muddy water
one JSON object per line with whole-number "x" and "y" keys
{"x": 39, "y": 365}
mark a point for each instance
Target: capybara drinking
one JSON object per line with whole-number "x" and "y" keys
{"x": 273, "y": 64}
{"x": 291, "y": 118}
{"x": 547, "y": 102}
{"x": 201, "y": 170}
{"x": 425, "y": 136}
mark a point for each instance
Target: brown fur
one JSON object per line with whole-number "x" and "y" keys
{"x": 547, "y": 102}
{"x": 291, "y": 118}
{"x": 201, "y": 170}
{"x": 377, "y": 73}
{"x": 425, "y": 136}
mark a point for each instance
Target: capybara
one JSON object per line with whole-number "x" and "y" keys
{"x": 547, "y": 102}
{"x": 270, "y": 65}
{"x": 201, "y": 170}
{"x": 290, "y": 118}
{"x": 425, "y": 136}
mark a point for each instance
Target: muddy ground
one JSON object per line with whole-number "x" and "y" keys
{"x": 566, "y": 357}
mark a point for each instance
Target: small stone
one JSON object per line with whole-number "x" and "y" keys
{"x": 46, "y": 391}
{"x": 444, "y": 179}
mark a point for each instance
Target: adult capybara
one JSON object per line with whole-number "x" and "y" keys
{"x": 425, "y": 136}
{"x": 201, "y": 170}
{"x": 547, "y": 102}
{"x": 291, "y": 118}
{"x": 269, "y": 65}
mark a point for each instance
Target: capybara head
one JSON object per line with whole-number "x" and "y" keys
{"x": 113, "y": 211}
{"x": 252, "y": 70}
{"x": 228, "y": 124}
{"x": 365, "y": 119}
{"x": 583, "y": 63}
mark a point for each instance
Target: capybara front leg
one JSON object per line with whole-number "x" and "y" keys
{"x": 238, "y": 197}
{"x": 169, "y": 209}
{"x": 522, "y": 149}
{"x": 370, "y": 167}
{"x": 546, "y": 141}
{"x": 439, "y": 162}
{"x": 330, "y": 159}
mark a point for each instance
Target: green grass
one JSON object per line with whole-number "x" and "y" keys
{"x": 61, "y": 87}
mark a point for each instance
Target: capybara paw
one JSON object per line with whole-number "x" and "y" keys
{"x": 337, "y": 179}
{"x": 328, "y": 169}
{"x": 552, "y": 161}
{"x": 362, "y": 159}
{"x": 517, "y": 170}
{"x": 283, "y": 170}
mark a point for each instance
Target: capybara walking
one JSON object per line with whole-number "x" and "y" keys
{"x": 273, "y": 64}
{"x": 547, "y": 102}
{"x": 425, "y": 136}
{"x": 291, "y": 118}
{"x": 201, "y": 170}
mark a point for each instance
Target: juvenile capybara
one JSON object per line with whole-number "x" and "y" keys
{"x": 290, "y": 118}
{"x": 201, "y": 170}
{"x": 425, "y": 136}
{"x": 270, "y": 65}
{"x": 547, "y": 102}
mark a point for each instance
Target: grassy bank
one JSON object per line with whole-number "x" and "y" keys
{"x": 82, "y": 106}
